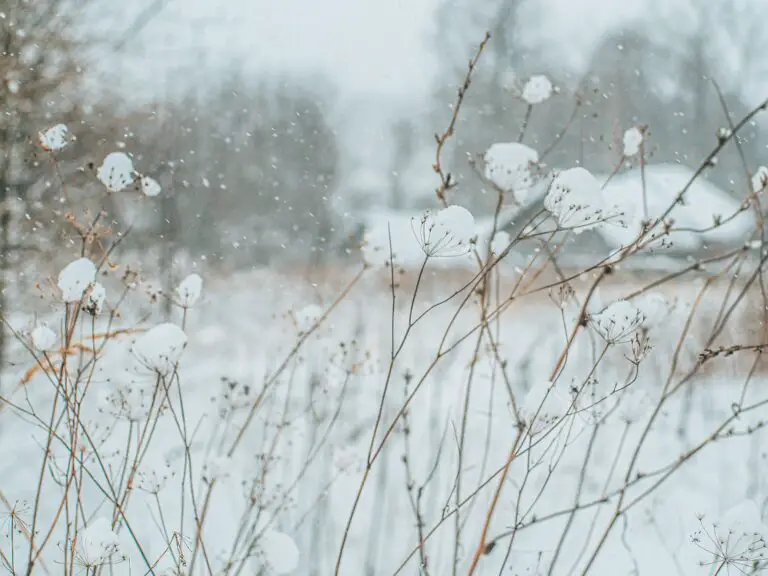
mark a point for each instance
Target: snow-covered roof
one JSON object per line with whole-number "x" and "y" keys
{"x": 693, "y": 220}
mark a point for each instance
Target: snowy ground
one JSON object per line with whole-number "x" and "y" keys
{"x": 322, "y": 408}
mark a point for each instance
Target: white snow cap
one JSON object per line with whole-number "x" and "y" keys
{"x": 633, "y": 138}
{"x": 97, "y": 544}
{"x": 160, "y": 348}
{"x": 116, "y": 172}
{"x": 654, "y": 307}
{"x": 448, "y": 233}
{"x": 537, "y": 89}
{"x": 760, "y": 179}
{"x": 75, "y": 279}
{"x": 43, "y": 338}
{"x": 189, "y": 290}
{"x": 55, "y": 138}
{"x": 618, "y": 322}
{"x": 280, "y": 552}
{"x": 94, "y": 303}
{"x": 307, "y": 317}
{"x": 152, "y": 479}
{"x": 543, "y": 406}
{"x": 149, "y": 186}
{"x": 577, "y": 202}
{"x": 508, "y": 165}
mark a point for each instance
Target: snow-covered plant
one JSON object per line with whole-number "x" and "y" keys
{"x": 537, "y": 89}
{"x": 478, "y": 419}
{"x": 189, "y": 290}
{"x": 95, "y": 298}
{"x": 97, "y": 545}
{"x": 735, "y": 542}
{"x": 760, "y": 179}
{"x": 279, "y": 551}
{"x": 160, "y": 348}
{"x": 43, "y": 338}
{"x": 618, "y": 322}
{"x": 544, "y": 406}
{"x": 510, "y": 166}
{"x": 308, "y": 317}
{"x": 55, "y": 138}
{"x": 76, "y": 278}
{"x": 447, "y": 233}
{"x": 116, "y": 171}
{"x": 632, "y": 140}
{"x": 149, "y": 186}
{"x": 577, "y": 202}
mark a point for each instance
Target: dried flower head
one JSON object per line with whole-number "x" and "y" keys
{"x": 448, "y": 233}
{"x": 577, "y": 202}
{"x": 618, "y": 322}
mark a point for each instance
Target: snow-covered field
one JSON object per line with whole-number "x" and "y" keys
{"x": 293, "y": 476}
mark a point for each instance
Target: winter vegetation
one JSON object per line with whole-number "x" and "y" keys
{"x": 521, "y": 334}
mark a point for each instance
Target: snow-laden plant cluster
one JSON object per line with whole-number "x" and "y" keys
{"x": 477, "y": 416}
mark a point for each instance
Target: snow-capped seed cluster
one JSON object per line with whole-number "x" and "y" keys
{"x": 279, "y": 552}
{"x": 152, "y": 479}
{"x": 509, "y": 166}
{"x": 160, "y": 349}
{"x": 633, "y": 139}
{"x": 97, "y": 544}
{"x": 307, "y": 317}
{"x": 116, "y": 171}
{"x": 447, "y": 233}
{"x": 76, "y": 278}
{"x": 544, "y": 406}
{"x": 189, "y": 290}
{"x": 760, "y": 179}
{"x": 537, "y": 89}
{"x": 43, "y": 338}
{"x": 737, "y": 541}
{"x": 232, "y": 396}
{"x": 577, "y": 202}
{"x": 128, "y": 401}
{"x": 618, "y": 322}
{"x": 95, "y": 298}
{"x": 149, "y": 186}
{"x": 54, "y": 138}
{"x": 217, "y": 467}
